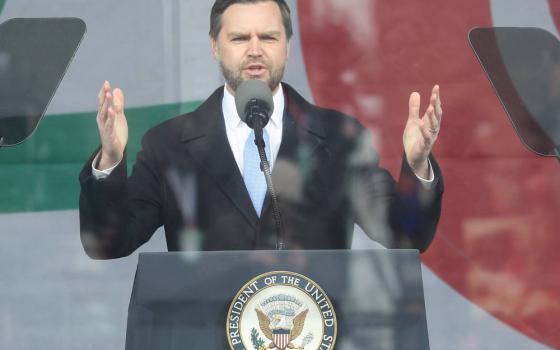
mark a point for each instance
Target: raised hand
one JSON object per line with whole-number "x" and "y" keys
{"x": 112, "y": 125}
{"x": 420, "y": 134}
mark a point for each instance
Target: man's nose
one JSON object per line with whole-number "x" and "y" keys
{"x": 255, "y": 48}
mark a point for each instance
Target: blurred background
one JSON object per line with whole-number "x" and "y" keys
{"x": 491, "y": 275}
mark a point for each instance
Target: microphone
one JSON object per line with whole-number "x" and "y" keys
{"x": 253, "y": 100}
{"x": 254, "y": 104}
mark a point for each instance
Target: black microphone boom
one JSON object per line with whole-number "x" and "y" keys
{"x": 253, "y": 100}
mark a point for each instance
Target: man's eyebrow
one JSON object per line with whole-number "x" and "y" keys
{"x": 271, "y": 33}
{"x": 274, "y": 33}
{"x": 238, "y": 35}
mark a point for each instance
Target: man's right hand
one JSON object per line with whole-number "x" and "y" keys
{"x": 113, "y": 129}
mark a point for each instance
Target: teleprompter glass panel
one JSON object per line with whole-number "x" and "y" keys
{"x": 34, "y": 55}
{"x": 523, "y": 65}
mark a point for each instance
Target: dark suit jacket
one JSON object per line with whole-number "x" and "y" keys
{"x": 185, "y": 178}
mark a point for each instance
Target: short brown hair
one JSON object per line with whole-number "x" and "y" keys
{"x": 220, "y": 7}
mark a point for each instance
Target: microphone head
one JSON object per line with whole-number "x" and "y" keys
{"x": 250, "y": 92}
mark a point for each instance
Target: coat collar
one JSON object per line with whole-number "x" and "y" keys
{"x": 209, "y": 115}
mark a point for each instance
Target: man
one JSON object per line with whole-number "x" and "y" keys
{"x": 189, "y": 176}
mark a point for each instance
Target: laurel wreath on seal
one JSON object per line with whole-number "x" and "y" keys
{"x": 258, "y": 342}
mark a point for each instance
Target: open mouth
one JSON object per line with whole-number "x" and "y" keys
{"x": 255, "y": 69}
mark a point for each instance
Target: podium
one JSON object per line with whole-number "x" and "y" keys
{"x": 254, "y": 300}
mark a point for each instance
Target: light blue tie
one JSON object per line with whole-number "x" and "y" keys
{"x": 252, "y": 174}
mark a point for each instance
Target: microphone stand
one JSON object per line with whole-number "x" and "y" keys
{"x": 265, "y": 168}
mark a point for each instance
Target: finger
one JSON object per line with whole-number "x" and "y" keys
{"x": 414, "y": 106}
{"x": 435, "y": 90}
{"x": 433, "y": 100}
{"x": 431, "y": 105}
{"x": 438, "y": 110}
{"x": 109, "y": 124}
{"x": 102, "y": 112}
{"x": 424, "y": 127}
{"x": 432, "y": 123}
{"x": 426, "y": 133}
{"x": 108, "y": 103}
{"x": 105, "y": 87}
{"x": 118, "y": 100}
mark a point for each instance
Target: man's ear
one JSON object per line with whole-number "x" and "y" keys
{"x": 215, "y": 50}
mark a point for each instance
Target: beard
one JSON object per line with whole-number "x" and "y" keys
{"x": 235, "y": 78}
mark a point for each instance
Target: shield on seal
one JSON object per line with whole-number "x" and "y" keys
{"x": 281, "y": 338}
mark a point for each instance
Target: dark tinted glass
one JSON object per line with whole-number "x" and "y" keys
{"x": 523, "y": 65}
{"x": 34, "y": 55}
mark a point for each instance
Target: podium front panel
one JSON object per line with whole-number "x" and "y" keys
{"x": 369, "y": 299}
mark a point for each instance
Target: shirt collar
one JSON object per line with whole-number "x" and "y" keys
{"x": 234, "y": 121}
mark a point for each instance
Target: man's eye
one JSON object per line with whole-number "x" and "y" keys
{"x": 238, "y": 39}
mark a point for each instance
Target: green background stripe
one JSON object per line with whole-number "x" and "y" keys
{"x": 42, "y": 173}
{"x": 2, "y": 2}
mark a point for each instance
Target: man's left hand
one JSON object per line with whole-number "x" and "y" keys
{"x": 420, "y": 134}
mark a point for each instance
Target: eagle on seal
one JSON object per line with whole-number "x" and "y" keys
{"x": 280, "y": 330}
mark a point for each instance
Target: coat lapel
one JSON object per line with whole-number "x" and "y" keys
{"x": 302, "y": 137}
{"x": 206, "y": 141}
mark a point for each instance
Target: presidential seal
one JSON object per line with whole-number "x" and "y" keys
{"x": 281, "y": 310}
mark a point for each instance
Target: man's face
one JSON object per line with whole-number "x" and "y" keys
{"x": 252, "y": 44}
